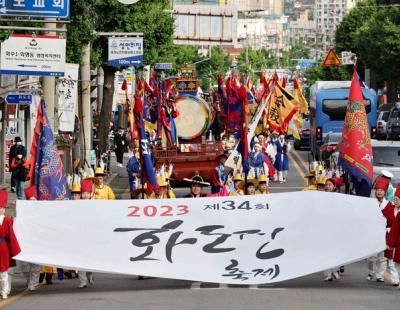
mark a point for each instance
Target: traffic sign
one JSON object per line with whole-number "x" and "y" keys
{"x": 348, "y": 58}
{"x": 305, "y": 63}
{"x": 36, "y": 8}
{"x": 125, "y": 52}
{"x": 26, "y": 55}
{"x": 19, "y": 98}
{"x": 163, "y": 66}
{"x": 332, "y": 59}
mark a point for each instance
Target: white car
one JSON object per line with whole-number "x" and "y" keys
{"x": 386, "y": 156}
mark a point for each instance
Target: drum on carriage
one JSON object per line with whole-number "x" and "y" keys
{"x": 195, "y": 117}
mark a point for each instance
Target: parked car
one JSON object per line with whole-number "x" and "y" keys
{"x": 381, "y": 124}
{"x": 304, "y": 132}
{"x": 329, "y": 147}
{"x": 393, "y": 125}
{"x": 386, "y": 156}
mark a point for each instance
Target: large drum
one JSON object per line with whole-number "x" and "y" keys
{"x": 195, "y": 117}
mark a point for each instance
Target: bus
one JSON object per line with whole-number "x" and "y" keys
{"x": 328, "y": 103}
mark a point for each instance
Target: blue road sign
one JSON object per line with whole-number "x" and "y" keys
{"x": 163, "y": 66}
{"x": 35, "y": 8}
{"x": 19, "y": 98}
{"x": 306, "y": 63}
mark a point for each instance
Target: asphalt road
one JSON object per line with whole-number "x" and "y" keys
{"x": 119, "y": 292}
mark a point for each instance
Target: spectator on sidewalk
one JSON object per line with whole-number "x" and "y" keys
{"x": 19, "y": 171}
{"x": 120, "y": 146}
{"x": 13, "y": 153}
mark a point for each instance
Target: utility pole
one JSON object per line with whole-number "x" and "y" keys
{"x": 49, "y": 83}
{"x": 86, "y": 118}
{"x": 3, "y": 106}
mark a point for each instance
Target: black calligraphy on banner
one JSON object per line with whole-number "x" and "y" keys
{"x": 236, "y": 273}
{"x": 150, "y": 237}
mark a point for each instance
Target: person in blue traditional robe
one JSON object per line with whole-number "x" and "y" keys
{"x": 281, "y": 163}
{"x": 257, "y": 162}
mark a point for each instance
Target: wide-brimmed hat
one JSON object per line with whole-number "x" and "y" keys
{"x": 197, "y": 179}
{"x": 251, "y": 181}
{"x": 99, "y": 172}
{"x": 321, "y": 180}
{"x": 17, "y": 139}
{"x": 262, "y": 179}
{"x": 237, "y": 177}
{"x": 75, "y": 188}
{"x": 310, "y": 174}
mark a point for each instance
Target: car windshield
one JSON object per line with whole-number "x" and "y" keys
{"x": 395, "y": 114}
{"x": 333, "y": 139}
{"x": 385, "y": 116}
{"x": 386, "y": 156}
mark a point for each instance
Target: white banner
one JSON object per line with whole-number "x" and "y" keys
{"x": 237, "y": 240}
{"x": 67, "y": 95}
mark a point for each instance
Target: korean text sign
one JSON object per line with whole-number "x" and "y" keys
{"x": 125, "y": 52}
{"x": 236, "y": 240}
{"x": 26, "y": 55}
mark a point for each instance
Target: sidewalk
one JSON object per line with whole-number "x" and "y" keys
{"x": 118, "y": 180}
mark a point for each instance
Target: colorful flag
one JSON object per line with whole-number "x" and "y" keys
{"x": 149, "y": 174}
{"x": 298, "y": 95}
{"x": 281, "y": 109}
{"x": 46, "y": 172}
{"x": 355, "y": 147}
{"x": 243, "y": 147}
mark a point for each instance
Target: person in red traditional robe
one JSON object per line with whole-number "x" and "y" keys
{"x": 377, "y": 263}
{"x": 393, "y": 237}
{"x": 168, "y": 113}
{"x": 9, "y": 246}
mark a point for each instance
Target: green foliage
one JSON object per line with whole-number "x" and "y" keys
{"x": 147, "y": 16}
{"x": 321, "y": 73}
{"x": 378, "y": 43}
{"x": 310, "y": 15}
{"x": 256, "y": 60}
{"x": 345, "y": 35}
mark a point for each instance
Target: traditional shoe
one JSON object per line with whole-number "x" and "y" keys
{"x": 90, "y": 279}
{"x": 32, "y": 288}
{"x": 336, "y": 275}
{"x": 370, "y": 277}
{"x": 82, "y": 285}
{"x": 341, "y": 269}
{"x": 4, "y": 296}
{"x": 395, "y": 284}
{"x": 328, "y": 279}
{"x": 380, "y": 280}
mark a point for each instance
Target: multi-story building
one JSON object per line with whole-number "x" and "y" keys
{"x": 328, "y": 15}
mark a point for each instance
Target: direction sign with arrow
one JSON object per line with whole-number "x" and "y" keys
{"x": 37, "y": 8}
{"x": 19, "y": 98}
{"x": 26, "y": 55}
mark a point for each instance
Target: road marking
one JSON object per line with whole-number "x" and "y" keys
{"x": 297, "y": 167}
{"x": 197, "y": 286}
{"x": 266, "y": 287}
{"x": 11, "y": 299}
{"x": 302, "y": 162}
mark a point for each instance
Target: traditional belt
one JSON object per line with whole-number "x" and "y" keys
{"x": 3, "y": 240}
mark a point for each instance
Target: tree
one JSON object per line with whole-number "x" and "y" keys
{"x": 378, "y": 41}
{"x": 147, "y": 16}
{"x": 321, "y": 73}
